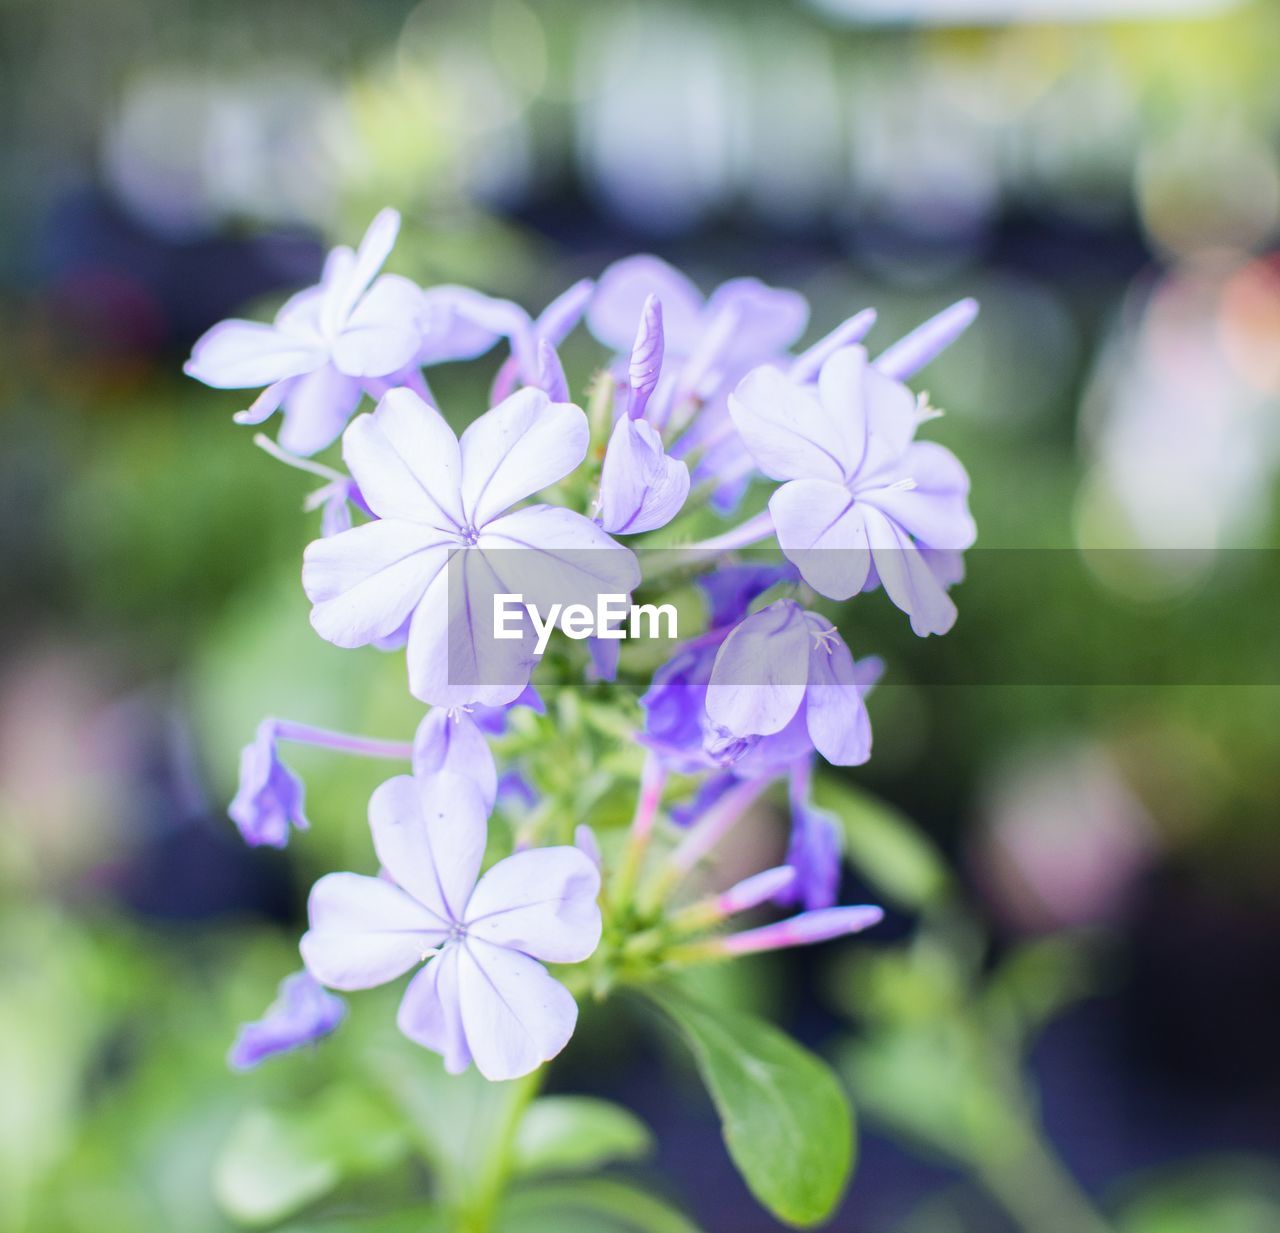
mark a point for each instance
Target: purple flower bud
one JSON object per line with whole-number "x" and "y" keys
{"x": 303, "y": 1012}
{"x": 803, "y": 930}
{"x": 646, "y": 357}
{"x": 753, "y": 891}
{"x": 814, "y": 850}
{"x": 269, "y": 800}
{"x": 806, "y": 365}
{"x": 926, "y": 342}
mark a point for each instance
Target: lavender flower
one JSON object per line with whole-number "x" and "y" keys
{"x": 268, "y": 804}
{"x": 483, "y": 995}
{"x": 786, "y": 674}
{"x": 437, "y": 497}
{"x": 324, "y": 343}
{"x": 303, "y": 1012}
{"x": 708, "y": 345}
{"x": 814, "y": 850}
{"x": 452, "y": 741}
{"x": 859, "y": 491}
{"x": 641, "y": 489}
{"x": 742, "y": 323}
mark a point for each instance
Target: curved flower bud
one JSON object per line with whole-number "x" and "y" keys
{"x": 303, "y": 1012}
{"x": 269, "y": 801}
{"x": 926, "y": 342}
{"x": 641, "y": 488}
{"x": 645, "y": 366}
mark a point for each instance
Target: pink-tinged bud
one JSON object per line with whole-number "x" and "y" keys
{"x": 808, "y": 363}
{"x": 802, "y": 930}
{"x": 752, "y": 892}
{"x": 584, "y": 839}
{"x": 551, "y": 378}
{"x": 646, "y": 357}
{"x": 926, "y": 342}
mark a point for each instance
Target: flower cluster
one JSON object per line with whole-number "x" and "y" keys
{"x": 700, "y": 404}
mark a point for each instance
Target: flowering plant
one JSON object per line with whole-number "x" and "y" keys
{"x": 549, "y": 845}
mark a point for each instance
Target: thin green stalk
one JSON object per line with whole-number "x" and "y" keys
{"x": 1038, "y": 1192}
{"x": 480, "y": 1211}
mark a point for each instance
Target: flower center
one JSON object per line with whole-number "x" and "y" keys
{"x": 468, "y": 535}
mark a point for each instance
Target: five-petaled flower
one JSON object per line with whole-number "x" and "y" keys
{"x": 324, "y": 344}
{"x": 444, "y": 543}
{"x": 483, "y": 995}
{"x": 861, "y": 497}
{"x": 785, "y": 679}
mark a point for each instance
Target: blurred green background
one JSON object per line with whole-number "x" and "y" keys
{"x": 1097, "y": 761}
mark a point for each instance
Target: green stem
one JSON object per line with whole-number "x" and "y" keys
{"x": 479, "y": 1212}
{"x": 1039, "y": 1194}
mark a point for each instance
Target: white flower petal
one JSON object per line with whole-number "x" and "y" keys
{"x": 236, "y": 355}
{"x": 934, "y": 509}
{"x": 365, "y": 932}
{"x": 347, "y": 276}
{"x": 431, "y": 1011}
{"x": 542, "y": 902}
{"x": 819, "y": 527}
{"x": 430, "y": 835}
{"x": 789, "y": 432}
{"x": 520, "y": 447}
{"x": 384, "y": 331}
{"x": 453, "y": 742}
{"x": 317, "y": 407}
{"x": 366, "y": 581}
{"x": 551, "y": 555}
{"x": 614, "y": 311}
{"x": 835, "y": 714}
{"x": 641, "y": 488}
{"x": 758, "y": 680}
{"x": 906, "y": 576}
{"x": 406, "y": 460}
{"x": 454, "y": 658}
{"x": 515, "y": 1014}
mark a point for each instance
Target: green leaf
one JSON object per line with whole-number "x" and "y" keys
{"x": 276, "y": 1161}
{"x": 410, "y": 1220}
{"x": 566, "y": 1133}
{"x": 268, "y": 1169}
{"x": 590, "y": 1205}
{"x": 455, "y": 1118}
{"x": 785, "y": 1117}
{"x": 885, "y": 845}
